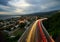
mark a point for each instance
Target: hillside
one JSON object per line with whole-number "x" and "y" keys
{"x": 49, "y": 13}
{"x": 52, "y": 24}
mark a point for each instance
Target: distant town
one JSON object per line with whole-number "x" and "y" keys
{"x": 14, "y": 27}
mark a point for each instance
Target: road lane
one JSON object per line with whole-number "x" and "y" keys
{"x": 36, "y": 33}
{"x": 31, "y": 35}
{"x": 43, "y": 37}
{"x": 25, "y": 34}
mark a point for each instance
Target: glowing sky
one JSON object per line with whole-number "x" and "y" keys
{"x": 28, "y": 6}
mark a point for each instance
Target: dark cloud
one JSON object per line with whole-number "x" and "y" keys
{"x": 4, "y": 2}
{"x": 56, "y": 0}
{"x": 37, "y": 2}
{"x": 1, "y": 10}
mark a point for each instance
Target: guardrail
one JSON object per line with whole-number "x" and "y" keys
{"x": 49, "y": 38}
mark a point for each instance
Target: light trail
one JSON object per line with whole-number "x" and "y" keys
{"x": 30, "y": 38}
{"x": 36, "y": 33}
{"x": 43, "y": 37}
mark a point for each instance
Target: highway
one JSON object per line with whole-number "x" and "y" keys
{"x": 36, "y": 33}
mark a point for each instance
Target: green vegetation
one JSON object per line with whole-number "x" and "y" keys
{"x": 52, "y": 24}
{"x": 17, "y": 35}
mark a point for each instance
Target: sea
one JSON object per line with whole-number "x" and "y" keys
{"x": 3, "y": 17}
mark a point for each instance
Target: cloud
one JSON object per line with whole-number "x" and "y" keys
{"x": 49, "y": 5}
{"x": 18, "y": 11}
{"x": 4, "y": 2}
{"x": 21, "y": 6}
{"x": 28, "y": 6}
{"x": 4, "y": 8}
{"x": 19, "y": 3}
{"x": 5, "y": 13}
{"x": 33, "y": 5}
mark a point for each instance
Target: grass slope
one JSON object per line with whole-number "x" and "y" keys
{"x": 53, "y": 24}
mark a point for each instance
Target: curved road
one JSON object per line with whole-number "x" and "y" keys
{"x": 36, "y": 33}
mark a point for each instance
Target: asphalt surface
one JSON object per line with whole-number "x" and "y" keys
{"x": 36, "y": 33}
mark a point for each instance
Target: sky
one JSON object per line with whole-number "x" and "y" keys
{"x": 28, "y": 6}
